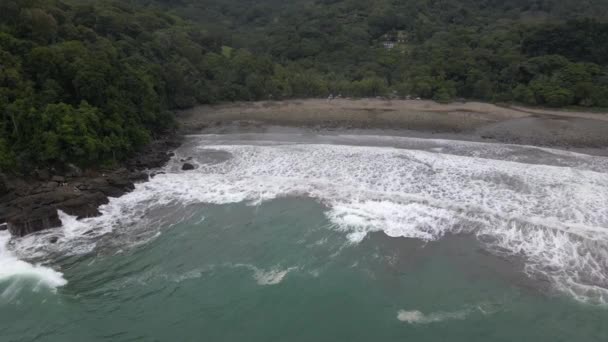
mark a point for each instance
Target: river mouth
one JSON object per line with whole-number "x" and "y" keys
{"x": 300, "y": 235}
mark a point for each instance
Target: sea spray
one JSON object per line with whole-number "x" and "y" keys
{"x": 14, "y": 271}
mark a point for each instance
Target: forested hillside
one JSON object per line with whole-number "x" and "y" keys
{"x": 89, "y": 82}
{"x": 537, "y": 52}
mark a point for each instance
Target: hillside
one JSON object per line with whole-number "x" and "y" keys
{"x": 90, "y": 82}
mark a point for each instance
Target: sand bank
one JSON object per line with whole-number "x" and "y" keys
{"x": 478, "y": 121}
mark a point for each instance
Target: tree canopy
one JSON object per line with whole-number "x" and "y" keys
{"x": 89, "y": 82}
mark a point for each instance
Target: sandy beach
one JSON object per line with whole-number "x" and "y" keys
{"x": 469, "y": 120}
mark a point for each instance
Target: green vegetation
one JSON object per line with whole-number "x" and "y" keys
{"x": 537, "y": 52}
{"x": 89, "y": 82}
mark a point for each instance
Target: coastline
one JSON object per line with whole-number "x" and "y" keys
{"x": 28, "y": 205}
{"x": 579, "y": 131}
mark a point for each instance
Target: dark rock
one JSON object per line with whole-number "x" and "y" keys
{"x": 19, "y": 187}
{"x": 31, "y": 221}
{"x": 138, "y": 176}
{"x": 120, "y": 179}
{"x": 85, "y": 205}
{"x": 112, "y": 191}
{"x": 28, "y": 205}
{"x": 95, "y": 183}
{"x": 43, "y": 175}
{"x": 187, "y": 167}
{"x": 157, "y": 173}
{"x": 155, "y": 155}
{"x": 150, "y": 161}
{"x": 58, "y": 179}
{"x": 50, "y": 186}
{"x": 53, "y": 239}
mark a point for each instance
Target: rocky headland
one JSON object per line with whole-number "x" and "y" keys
{"x": 30, "y": 203}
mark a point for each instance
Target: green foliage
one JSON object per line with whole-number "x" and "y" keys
{"x": 487, "y": 50}
{"x": 89, "y": 82}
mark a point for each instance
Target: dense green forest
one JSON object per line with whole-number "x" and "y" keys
{"x": 89, "y": 82}
{"x": 537, "y": 52}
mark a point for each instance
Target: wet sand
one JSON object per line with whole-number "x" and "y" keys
{"x": 468, "y": 121}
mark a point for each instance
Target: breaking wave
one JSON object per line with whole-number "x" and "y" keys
{"x": 14, "y": 271}
{"x": 547, "y": 206}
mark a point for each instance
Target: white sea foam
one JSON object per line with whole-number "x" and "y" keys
{"x": 14, "y": 270}
{"x": 272, "y": 276}
{"x": 548, "y": 206}
{"x": 554, "y": 216}
{"x": 417, "y": 317}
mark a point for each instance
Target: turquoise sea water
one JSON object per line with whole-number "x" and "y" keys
{"x": 257, "y": 245}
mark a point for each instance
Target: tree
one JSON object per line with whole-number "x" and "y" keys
{"x": 523, "y": 94}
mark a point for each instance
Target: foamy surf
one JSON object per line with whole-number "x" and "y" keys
{"x": 13, "y": 269}
{"x": 553, "y": 215}
{"x": 417, "y": 317}
{"x": 545, "y": 205}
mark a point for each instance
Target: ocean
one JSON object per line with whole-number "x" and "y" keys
{"x": 303, "y": 235}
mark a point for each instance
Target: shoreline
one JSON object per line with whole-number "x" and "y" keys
{"x": 474, "y": 121}
{"x": 30, "y": 204}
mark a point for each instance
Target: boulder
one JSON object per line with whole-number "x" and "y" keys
{"x": 85, "y": 205}
{"x": 120, "y": 179}
{"x": 187, "y": 167}
{"x": 138, "y": 176}
{"x": 112, "y": 191}
{"x": 34, "y": 220}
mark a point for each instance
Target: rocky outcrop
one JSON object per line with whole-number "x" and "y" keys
{"x": 30, "y": 205}
{"x": 155, "y": 154}
{"x": 187, "y": 167}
